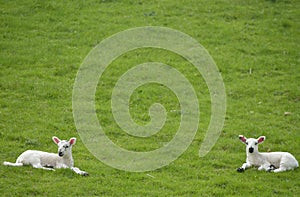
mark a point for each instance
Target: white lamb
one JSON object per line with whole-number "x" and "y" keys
{"x": 48, "y": 161}
{"x": 273, "y": 161}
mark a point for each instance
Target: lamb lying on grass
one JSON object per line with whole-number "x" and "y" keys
{"x": 48, "y": 161}
{"x": 271, "y": 162}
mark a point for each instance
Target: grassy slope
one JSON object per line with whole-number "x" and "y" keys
{"x": 44, "y": 43}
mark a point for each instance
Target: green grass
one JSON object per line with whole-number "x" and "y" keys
{"x": 254, "y": 43}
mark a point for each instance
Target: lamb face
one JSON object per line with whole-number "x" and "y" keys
{"x": 251, "y": 143}
{"x": 64, "y": 146}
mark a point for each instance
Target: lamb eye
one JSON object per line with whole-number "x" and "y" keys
{"x": 256, "y": 143}
{"x": 247, "y": 143}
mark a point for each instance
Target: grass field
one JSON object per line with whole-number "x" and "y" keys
{"x": 254, "y": 43}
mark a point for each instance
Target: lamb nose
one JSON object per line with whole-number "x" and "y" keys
{"x": 251, "y": 150}
{"x": 60, "y": 154}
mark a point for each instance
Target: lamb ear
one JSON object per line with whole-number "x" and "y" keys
{"x": 55, "y": 139}
{"x": 72, "y": 140}
{"x": 242, "y": 138}
{"x": 261, "y": 139}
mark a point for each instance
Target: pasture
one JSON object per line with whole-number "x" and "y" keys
{"x": 255, "y": 45}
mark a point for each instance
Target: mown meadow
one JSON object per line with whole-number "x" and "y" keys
{"x": 255, "y": 45}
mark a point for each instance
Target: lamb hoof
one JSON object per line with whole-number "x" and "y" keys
{"x": 240, "y": 170}
{"x": 271, "y": 168}
{"x": 85, "y": 174}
